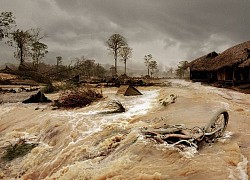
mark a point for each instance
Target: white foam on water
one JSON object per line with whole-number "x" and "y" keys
{"x": 7, "y": 107}
{"x": 241, "y": 170}
{"x": 226, "y": 137}
{"x": 89, "y": 122}
{"x": 185, "y": 151}
{"x": 94, "y": 121}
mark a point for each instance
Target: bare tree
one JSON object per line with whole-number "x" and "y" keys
{"x": 38, "y": 49}
{"x": 22, "y": 41}
{"x": 58, "y": 63}
{"x": 27, "y": 43}
{"x": 38, "y": 52}
{"x": 115, "y": 42}
{"x": 147, "y": 60}
{"x": 37, "y": 34}
{"x": 125, "y": 53}
{"x": 7, "y": 21}
{"x": 153, "y": 67}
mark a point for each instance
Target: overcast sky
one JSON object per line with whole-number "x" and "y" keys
{"x": 170, "y": 30}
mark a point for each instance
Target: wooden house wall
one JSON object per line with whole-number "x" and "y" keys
{"x": 244, "y": 74}
{"x": 234, "y": 75}
{"x": 203, "y": 76}
{"x": 248, "y": 73}
{"x": 225, "y": 73}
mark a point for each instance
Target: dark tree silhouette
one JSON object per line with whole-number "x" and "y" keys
{"x": 147, "y": 60}
{"x": 38, "y": 52}
{"x": 22, "y": 40}
{"x": 181, "y": 70}
{"x": 125, "y": 53}
{"x": 38, "y": 49}
{"x": 115, "y": 42}
{"x": 153, "y": 67}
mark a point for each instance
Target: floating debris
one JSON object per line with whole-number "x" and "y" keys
{"x": 168, "y": 100}
{"x": 178, "y": 135}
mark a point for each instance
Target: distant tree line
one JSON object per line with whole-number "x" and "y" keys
{"x": 26, "y": 42}
{"x": 28, "y": 45}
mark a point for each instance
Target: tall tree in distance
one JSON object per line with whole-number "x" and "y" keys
{"x": 22, "y": 41}
{"x": 38, "y": 49}
{"x": 58, "y": 63}
{"x": 153, "y": 67}
{"x": 7, "y": 21}
{"x": 125, "y": 53}
{"x": 182, "y": 71}
{"x": 115, "y": 42}
{"x": 147, "y": 60}
{"x": 27, "y": 44}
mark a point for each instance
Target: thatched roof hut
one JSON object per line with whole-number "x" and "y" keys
{"x": 233, "y": 56}
{"x": 202, "y": 63}
{"x": 230, "y": 67}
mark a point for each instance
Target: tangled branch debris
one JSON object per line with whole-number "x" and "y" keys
{"x": 19, "y": 149}
{"x": 78, "y": 98}
{"x": 179, "y": 134}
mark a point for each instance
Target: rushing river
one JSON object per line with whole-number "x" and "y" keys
{"x": 85, "y": 143}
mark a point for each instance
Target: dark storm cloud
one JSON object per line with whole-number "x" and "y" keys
{"x": 171, "y": 30}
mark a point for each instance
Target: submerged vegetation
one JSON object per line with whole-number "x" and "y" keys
{"x": 19, "y": 149}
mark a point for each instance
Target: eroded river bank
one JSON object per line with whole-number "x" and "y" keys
{"x": 85, "y": 144}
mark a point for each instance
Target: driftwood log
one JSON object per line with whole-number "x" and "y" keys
{"x": 168, "y": 100}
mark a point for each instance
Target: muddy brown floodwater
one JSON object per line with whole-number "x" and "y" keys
{"x": 86, "y": 144}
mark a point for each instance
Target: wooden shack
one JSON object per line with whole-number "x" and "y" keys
{"x": 244, "y": 69}
{"x": 128, "y": 90}
{"x": 232, "y": 65}
{"x": 199, "y": 68}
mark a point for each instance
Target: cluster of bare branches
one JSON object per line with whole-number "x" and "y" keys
{"x": 78, "y": 98}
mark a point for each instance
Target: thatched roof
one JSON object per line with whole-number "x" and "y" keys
{"x": 202, "y": 63}
{"x": 233, "y": 56}
{"x": 245, "y": 63}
